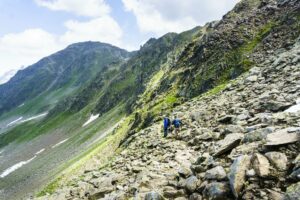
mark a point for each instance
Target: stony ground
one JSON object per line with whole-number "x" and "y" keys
{"x": 237, "y": 144}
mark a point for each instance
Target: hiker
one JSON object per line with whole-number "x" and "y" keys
{"x": 167, "y": 124}
{"x": 177, "y": 123}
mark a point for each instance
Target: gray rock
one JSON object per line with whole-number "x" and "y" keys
{"x": 274, "y": 195}
{"x": 293, "y": 192}
{"x": 217, "y": 173}
{"x": 233, "y": 129}
{"x": 251, "y": 79}
{"x": 217, "y": 190}
{"x": 195, "y": 196}
{"x": 261, "y": 165}
{"x": 279, "y": 160}
{"x": 237, "y": 175}
{"x": 100, "y": 192}
{"x": 257, "y": 135}
{"x": 170, "y": 192}
{"x": 277, "y": 106}
{"x": 228, "y": 143}
{"x": 153, "y": 196}
{"x": 244, "y": 149}
{"x": 295, "y": 175}
{"x": 282, "y": 137}
{"x": 185, "y": 172}
{"x": 296, "y": 162}
{"x": 191, "y": 184}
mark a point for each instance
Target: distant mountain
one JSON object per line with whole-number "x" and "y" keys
{"x": 7, "y": 76}
{"x": 68, "y": 69}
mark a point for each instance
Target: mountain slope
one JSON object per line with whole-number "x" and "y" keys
{"x": 238, "y": 141}
{"x": 109, "y": 94}
{"x": 163, "y": 74}
{"x": 254, "y": 32}
{"x": 68, "y": 69}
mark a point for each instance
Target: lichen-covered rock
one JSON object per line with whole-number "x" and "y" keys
{"x": 237, "y": 175}
{"x": 282, "y": 137}
{"x": 279, "y": 160}
{"x": 261, "y": 165}
{"x": 216, "y": 173}
{"x": 218, "y": 191}
{"x": 191, "y": 184}
{"x": 293, "y": 192}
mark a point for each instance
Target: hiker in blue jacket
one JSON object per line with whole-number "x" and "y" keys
{"x": 167, "y": 124}
{"x": 177, "y": 123}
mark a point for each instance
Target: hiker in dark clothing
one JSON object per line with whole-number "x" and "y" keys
{"x": 177, "y": 123}
{"x": 167, "y": 124}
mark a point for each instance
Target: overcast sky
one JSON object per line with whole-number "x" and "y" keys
{"x": 33, "y": 29}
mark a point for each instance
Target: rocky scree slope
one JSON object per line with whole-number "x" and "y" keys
{"x": 240, "y": 142}
{"x": 221, "y": 51}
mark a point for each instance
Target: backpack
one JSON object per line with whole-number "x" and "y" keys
{"x": 176, "y": 123}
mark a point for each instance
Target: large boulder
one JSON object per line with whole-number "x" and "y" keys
{"x": 237, "y": 175}
{"x": 261, "y": 165}
{"x": 228, "y": 143}
{"x": 279, "y": 160}
{"x": 216, "y": 173}
{"x": 284, "y": 136}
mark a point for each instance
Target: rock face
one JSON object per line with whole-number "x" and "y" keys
{"x": 237, "y": 175}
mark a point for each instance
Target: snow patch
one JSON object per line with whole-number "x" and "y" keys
{"x": 21, "y": 105}
{"x": 14, "y": 122}
{"x": 15, "y": 167}
{"x": 40, "y": 151}
{"x": 61, "y": 142}
{"x": 92, "y": 118}
{"x": 34, "y": 117}
{"x": 294, "y": 108}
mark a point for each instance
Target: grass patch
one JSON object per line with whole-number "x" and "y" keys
{"x": 51, "y": 188}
